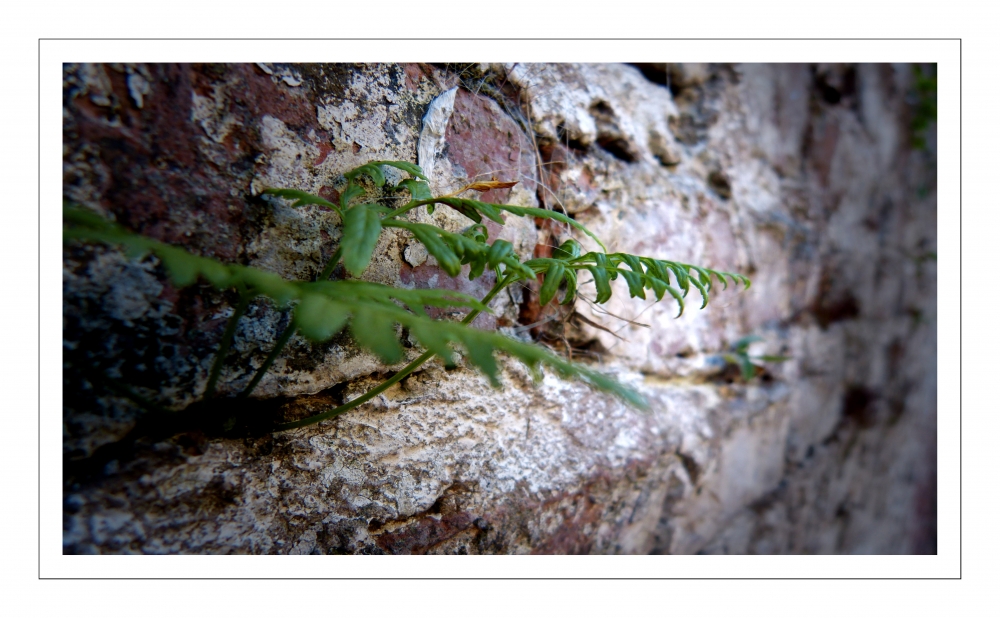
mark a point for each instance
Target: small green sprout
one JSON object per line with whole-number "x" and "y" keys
{"x": 740, "y": 357}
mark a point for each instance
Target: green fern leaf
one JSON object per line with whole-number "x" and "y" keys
{"x": 635, "y": 283}
{"x": 349, "y": 291}
{"x": 472, "y": 209}
{"x": 318, "y": 318}
{"x": 269, "y": 284}
{"x": 323, "y": 317}
{"x": 658, "y": 286}
{"x": 477, "y": 232}
{"x": 703, "y": 276}
{"x": 655, "y": 269}
{"x": 376, "y": 332}
{"x": 526, "y": 211}
{"x": 569, "y": 250}
{"x": 418, "y": 190}
{"x": 80, "y": 216}
{"x": 218, "y": 274}
{"x": 523, "y": 271}
{"x": 570, "y": 287}
{"x": 736, "y": 279}
{"x": 702, "y": 289}
{"x": 601, "y": 283}
{"x": 499, "y": 250}
{"x": 451, "y": 250}
{"x": 181, "y": 265}
{"x": 410, "y": 168}
{"x": 477, "y": 266}
{"x": 601, "y": 260}
{"x": 720, "y": 276}
{"x": 633, "y": 262}
{"x": 444, "y": 254}
{"x": 362, "y": 227}
{"x": 553, "y": 277}
{"x": 324, "y": 308}
{"x": 678, "y": 296}
{"x": 350, "y": 192}
{"x": 373, "y": 169}
{"x": 301, "y": 198}
{"x": 480, "y": 354}
{"x": 434, "y": 340}
{"x": 741, "y": 345}
{"x": 681, "y": 273}
{"x": 480, "y": 345}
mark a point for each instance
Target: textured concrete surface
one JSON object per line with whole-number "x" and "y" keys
{"x": 805, "y": 177}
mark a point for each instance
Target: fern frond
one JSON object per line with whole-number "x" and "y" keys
{"x": 318, "y": 318}
{"x": 569, "y": 250}
{"x": 452, "y": 251}
{"x": 418, "y": 190}
{"x": 301, "y": 198}
{"x": 410, "y": 168}
{"x": 555, "y": 272}
{"x": 415, "y": 299}
{"x": 350, "y": 192}
{"x": 640, "y": 273}
{"x": 373, "y": 170}
{"x": 703, "y": 289}
{"x": 437, "y": 243}
{"x": 373, "y": 312}
{"x": 480, "y": 346}
{"x": 362, "y": 227}
{"x": 472, "y": 209}
{"x": 742, "y": 344}
{"x": 324, "y": 308}
{"x": 476, "y": 210}
{"x": 527, "y": 211}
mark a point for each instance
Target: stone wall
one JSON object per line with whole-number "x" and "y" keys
{"x": 807, "y": 178}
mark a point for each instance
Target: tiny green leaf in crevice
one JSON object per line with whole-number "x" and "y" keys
{"x": 374, "y": 171}
{"x": 301, "y": 198}
{"x": 362, "y": 227}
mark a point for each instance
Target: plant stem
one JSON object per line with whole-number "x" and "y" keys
{"x": 398, "y": 377}
{"x": 375, "y": 392}
{"x": 282, "y": 340}
{"x": 414, "y": 204}
{"x": 227, "y": 340}
{"x": 404, "y": 209}
{"x": 328, "y": 270}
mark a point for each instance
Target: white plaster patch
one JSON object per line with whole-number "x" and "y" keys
{"x": 97, "y": 84}
{"x": 138, "y": 87}
{"x": 288, "y": 158}
{"x": 430, "y": 146}
{"x": 212, "y": 114}
{"x": 357, "y": 123}
{"x": 415, "y": 254}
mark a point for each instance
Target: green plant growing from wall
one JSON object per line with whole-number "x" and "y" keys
{"x": 740, "y": 356}
{"x": 323, "y": 308}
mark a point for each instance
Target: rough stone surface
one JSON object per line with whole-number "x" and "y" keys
{"x": 804, "y": 177}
